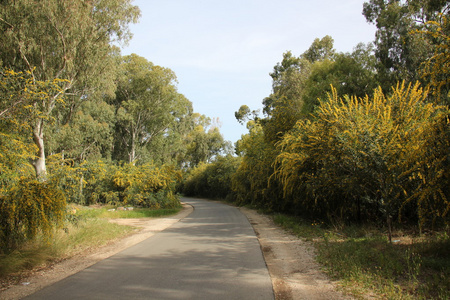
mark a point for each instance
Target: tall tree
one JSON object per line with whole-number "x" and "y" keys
{"x": 400, "y": 53}
{"x": 351, "y": 73}
{"x": 70, "y": 40}
{"x": 147, "y": 106}
{"x": 298, "y": 82}
{"x": 320, "y": 49}
{"x": 204, "y": 142}
{"x": 88, "y": 135}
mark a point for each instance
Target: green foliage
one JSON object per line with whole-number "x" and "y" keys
{"x": 250, "y": 183}
{"x": 70, "y": 41}
{"x": 399, "y": 53}
{"x": 320, "y": 49}
{"x": 147, "y": 106}
{"x": 369, "y": 156}
{"x": 14, "y": 160}
{"x": 351, "y": 73}
{"x": 203, "y": 144}
{"x": 146, "y": 185}
{"x": 30, "y": 207}
{"x": 74, "y": 109}
{"x": 27, "y": 103}
{"x": 99, "y": 182}
{"x": 88, "y": 134}
{"x": 211, "y": 180}
{"x": 298, "y": 83}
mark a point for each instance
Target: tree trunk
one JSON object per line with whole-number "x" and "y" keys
{"x": 132, "y": 153}
{"x": 39, "y": 163}
{"x": 81, "y": 198}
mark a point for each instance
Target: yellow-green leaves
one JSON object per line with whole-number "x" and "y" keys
{"x": 437, "y": 67}
{"x": 22, "y": 97}
{"x": 371, "y": 154}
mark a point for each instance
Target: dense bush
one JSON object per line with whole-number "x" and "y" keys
{"x": 250, "y": 183}
{"x": 100, "y": 182}
{"x": 376, "y": 158}
{"x": 30, "y": 207}
{"x": 146, "y": 185}
{"x": 211, "y": 180}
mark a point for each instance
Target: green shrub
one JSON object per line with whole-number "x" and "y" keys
{"x": 211, "y": 180}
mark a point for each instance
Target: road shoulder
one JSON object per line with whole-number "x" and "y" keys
{"x": 294, "y": 272}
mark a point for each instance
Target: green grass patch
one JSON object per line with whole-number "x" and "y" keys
{"x": 365, "y": 263}
{"x": 73, "y": 239}
{"x": 109, "y": 212}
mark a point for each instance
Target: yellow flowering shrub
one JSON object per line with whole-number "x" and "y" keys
{"x": 370, "y": 157}
{"x": 437, "y": 68}
{"x": 99, "y": 182}
{"x": 250, "y": 183}
{"x": 147, "y": 185}
{"x": 29, "y": 208}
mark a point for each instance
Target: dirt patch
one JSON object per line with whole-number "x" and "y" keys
{"x": 294, "y": 272}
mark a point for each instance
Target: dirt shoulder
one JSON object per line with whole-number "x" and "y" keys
{"x": 295, "y": 274}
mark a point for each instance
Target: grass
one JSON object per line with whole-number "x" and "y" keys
{"x": 365, "y": 263}
{"x": 107, "y": 213}
{"x": 87, "y": 228}
{"x": 71, "y": 240}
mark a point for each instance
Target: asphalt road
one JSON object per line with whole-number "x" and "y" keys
{"x": 211, "y": 254}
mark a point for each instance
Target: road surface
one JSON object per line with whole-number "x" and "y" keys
{"x": 211, "y": 254}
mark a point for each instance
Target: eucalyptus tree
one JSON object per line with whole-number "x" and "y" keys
{"x": 352, "y": 74}
{"x": 170, "y": 148}
{"x": 69, "y": 40}
{"x": 148, "y": 106}
{"x": 400, "y": 53}
{"x": 88, "y": 135}
{"x": 205, "y": 144}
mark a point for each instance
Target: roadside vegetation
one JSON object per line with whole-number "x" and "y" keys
{"x": 364, "y": 262}
{"x": 351, "y": 151}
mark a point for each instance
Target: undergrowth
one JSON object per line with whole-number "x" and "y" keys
{"x": 363, "y": 261}
{"x": 108, "y": 212}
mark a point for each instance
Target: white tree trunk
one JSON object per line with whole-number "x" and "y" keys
{"x": 132, "y": 153}
{"x": 39, "y": 163}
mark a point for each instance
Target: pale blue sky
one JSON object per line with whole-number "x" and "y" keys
{"x": 222, "y": 51}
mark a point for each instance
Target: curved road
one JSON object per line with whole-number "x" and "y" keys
{"x": 211, "y": 254}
